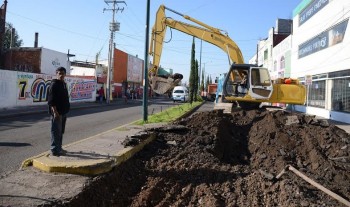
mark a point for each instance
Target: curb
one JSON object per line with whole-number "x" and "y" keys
{"x": 90, "y": 167}
{"x": 189, "y": 112}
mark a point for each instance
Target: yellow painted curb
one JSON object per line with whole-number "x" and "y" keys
{"x": 91, "y": 166}
{"x": 128, "y": 152}
{"x": 83, "y": 167}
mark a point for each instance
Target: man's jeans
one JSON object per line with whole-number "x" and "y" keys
{"x": 57, "y": 130}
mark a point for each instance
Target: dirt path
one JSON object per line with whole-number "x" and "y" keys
{"x": 216, "y": 159}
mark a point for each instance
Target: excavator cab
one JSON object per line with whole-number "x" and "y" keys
{"x": 260, "y": 88}
{"x": 247, "y": 84}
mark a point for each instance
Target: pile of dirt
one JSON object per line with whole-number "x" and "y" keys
{"x": 216, "y": 159}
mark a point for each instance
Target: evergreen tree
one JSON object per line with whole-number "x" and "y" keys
{"x": 196, "y": 69}
{"x": 207, "y": 83}
{"x": 202, "y": 87}
{"x": 192, "y": 73}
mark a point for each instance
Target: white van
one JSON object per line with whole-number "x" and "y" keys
{"x": 180, "y": 93}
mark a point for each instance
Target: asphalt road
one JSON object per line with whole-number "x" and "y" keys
{"x": 26, "y": 136}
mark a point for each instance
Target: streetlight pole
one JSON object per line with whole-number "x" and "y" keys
{"x": 113, "y": 27}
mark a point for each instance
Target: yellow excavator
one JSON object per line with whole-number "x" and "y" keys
{"x": 246, "y": 84}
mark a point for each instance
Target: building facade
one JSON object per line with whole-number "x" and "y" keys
{"x": 127, "y": 74}
{"x": 35, "y": 60}
{"x": 320, "y": 51}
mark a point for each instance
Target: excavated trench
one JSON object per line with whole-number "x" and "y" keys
{"x": 216, "y": 159}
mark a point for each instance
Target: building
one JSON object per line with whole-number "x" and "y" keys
{"x": 320, "y": 56}
{"x": 35, "y": 60}
{"x": 315, "y": 49}
{"x": 265, "y": 54}
{"x": 81, "y": 68}
{"x": 127, "y": 73}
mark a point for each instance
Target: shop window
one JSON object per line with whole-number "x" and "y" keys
{"x": 341, "y": 95}
{"x": 317, "y": 94}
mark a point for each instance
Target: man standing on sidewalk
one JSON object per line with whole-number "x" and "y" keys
{"x": 101, "y": 94}
{"x": 58, "y": 101}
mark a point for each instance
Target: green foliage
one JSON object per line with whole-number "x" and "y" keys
{"x": 170, "y": 114}
{"x": 7, "y": 38}
{"x": 207, "y": 83}
{"x": 202, "y": 86}
{"x": 200, "y": 99}
{"x": 196, "y": 69}
{"x": 192, "y": 73}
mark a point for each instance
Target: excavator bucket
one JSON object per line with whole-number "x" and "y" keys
{"x": 162, "y": 85}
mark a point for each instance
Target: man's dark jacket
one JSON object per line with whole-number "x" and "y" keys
{"x": 58, "y": 96}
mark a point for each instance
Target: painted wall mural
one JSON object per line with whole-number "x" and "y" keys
{"x": 22, "y": 88}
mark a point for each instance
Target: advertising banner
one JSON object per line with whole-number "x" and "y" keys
{"x": 134, "y": 70}
{"x": 328, "y": 38}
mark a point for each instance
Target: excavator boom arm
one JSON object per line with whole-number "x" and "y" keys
{"x": 204, "y": 32}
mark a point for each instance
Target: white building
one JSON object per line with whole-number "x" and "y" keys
{"x": 320, "y": 49}
{"x": 282, "y": 59}
{"x": 273, "y": 52}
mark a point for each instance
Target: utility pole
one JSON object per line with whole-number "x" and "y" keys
{"x": 145, "y": 81}
{"x": 200, "y": 66}
{"x": 113, "y": 27}
{"x": 3, "y": 10}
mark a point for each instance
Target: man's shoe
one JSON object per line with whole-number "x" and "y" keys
{"x": 63, "y": 152}
{"x": 56, "y": 154}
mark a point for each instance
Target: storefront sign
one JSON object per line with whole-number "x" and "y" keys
{"x": 308, "y": 80}
{"x": 311, "y": 10}
{"x": 324, "y": 40}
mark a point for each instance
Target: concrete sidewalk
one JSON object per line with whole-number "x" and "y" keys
{"x": 97, "y": 154}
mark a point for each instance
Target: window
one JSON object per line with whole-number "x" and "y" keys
{"x": 260, "y": 77}
{"x": 266, "y": 52}
{"x": 341, "y": 94}
{"x": 275, "y": 65}
{"x": 317, "y": 94}
{"x": 282, "y": 63}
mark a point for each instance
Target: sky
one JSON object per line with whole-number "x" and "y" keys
{"x": 82, "y": 27}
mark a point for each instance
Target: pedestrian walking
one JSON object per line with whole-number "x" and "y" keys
{"x": 58, "y": 101}
{"x": 101, "y": 94}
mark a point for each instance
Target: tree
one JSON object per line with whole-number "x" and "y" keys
{"x": 192, "y": 73}
{"x": 202, "y": 82}
{"x": 207, "y": 83}
{"x": 196, "y": 69}
{"x": 17, "y": 42}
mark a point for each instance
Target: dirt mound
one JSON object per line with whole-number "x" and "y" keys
{"x": 216, "y": 159}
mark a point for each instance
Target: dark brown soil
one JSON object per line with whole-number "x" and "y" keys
{"x": 216, "y": 159}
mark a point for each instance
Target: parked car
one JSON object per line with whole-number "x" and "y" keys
{"x": 180, "y": 93}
